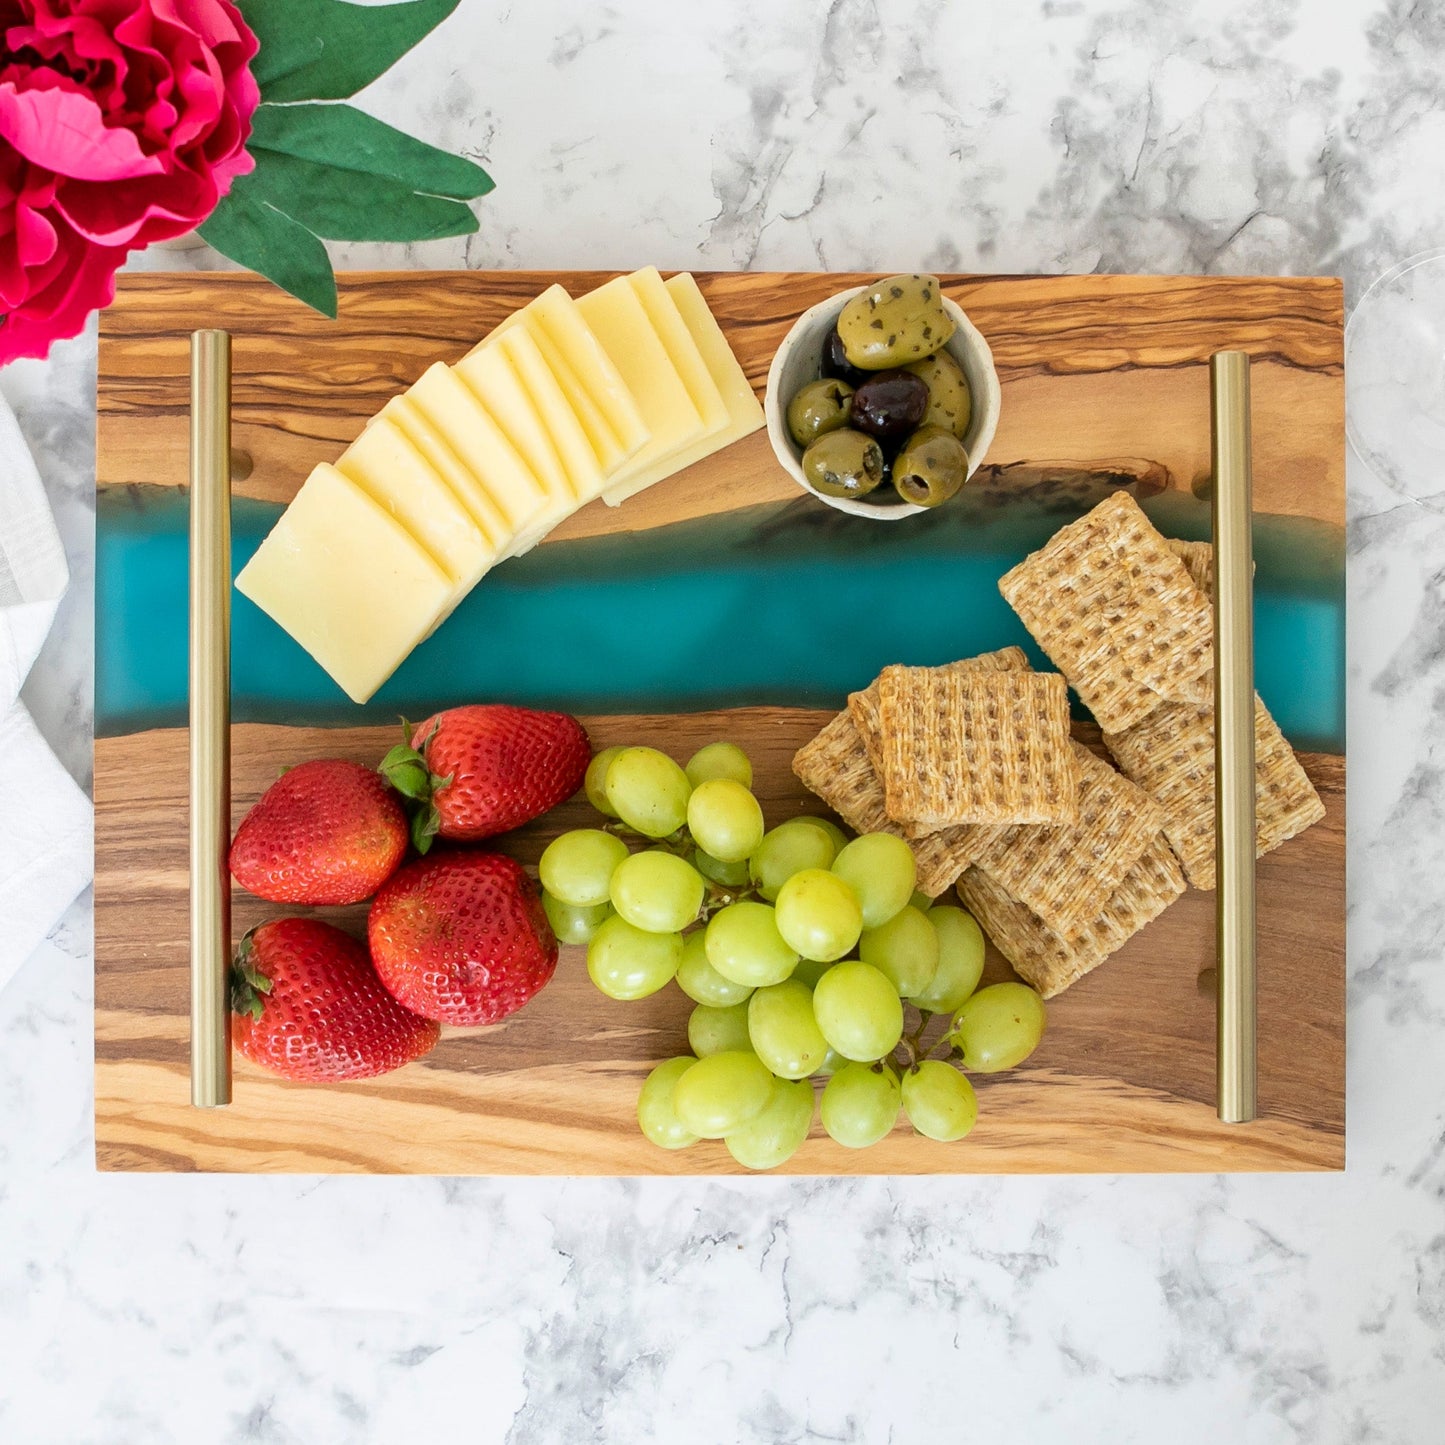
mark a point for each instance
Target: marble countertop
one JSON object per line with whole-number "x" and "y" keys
{"x": 1156, "y": 135}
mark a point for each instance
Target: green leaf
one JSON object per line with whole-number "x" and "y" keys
{"x": 257, "y": 235}
{"x": 406, "y": 770}
{"x": 425, "y": 823}
{"x": 351, "y": 140}
{"x": 330, "y": 202}
{"x": 326, "y": 50}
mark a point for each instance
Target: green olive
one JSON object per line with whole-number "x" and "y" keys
{"x": 894, "y": 322}
{"x": 950, "y": 402}
{"x": 843, "y": 463}
{"x": 821, "y": 406}
{"x": 931, "y": 467}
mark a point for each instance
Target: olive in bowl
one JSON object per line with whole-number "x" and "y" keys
{"x": 844, "y": 463}
{"x": 821, "y": 406}
{"x": 931, "y": 468}
{"x": 803, "y": 358}
{"x": 890, "y": 405}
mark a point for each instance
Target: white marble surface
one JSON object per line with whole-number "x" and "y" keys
{"x": 1269, "y": 135}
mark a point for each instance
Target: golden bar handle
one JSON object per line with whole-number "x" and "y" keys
{"x": 1233, "y": 735}
{"x": 210, "y": 720}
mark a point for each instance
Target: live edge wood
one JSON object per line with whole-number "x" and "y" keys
{"x": 1093, "y": 368}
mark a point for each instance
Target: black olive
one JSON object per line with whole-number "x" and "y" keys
{"x": 890, "y": 404}
{"x": 836, "y": 364}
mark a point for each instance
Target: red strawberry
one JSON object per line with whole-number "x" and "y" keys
{"x": 309, "y": 1005}
{"x": 323, "y": 832}
{"x": 476, "y": 771}
{"x": 462, "y": 937}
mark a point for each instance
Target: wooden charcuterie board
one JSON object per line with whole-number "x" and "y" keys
{"x": 1104, "y": 384}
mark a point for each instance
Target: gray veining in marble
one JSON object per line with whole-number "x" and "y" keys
{"x": 1242, "y": 135}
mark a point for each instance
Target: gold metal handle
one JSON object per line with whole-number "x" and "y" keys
{"x": 1234, "y": 735}
{"x": 210, "y": 719}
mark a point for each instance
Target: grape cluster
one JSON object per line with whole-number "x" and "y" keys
{"x": 810, "y": 948}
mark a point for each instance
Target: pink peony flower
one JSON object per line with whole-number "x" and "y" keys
{"x": 122, "y": 122}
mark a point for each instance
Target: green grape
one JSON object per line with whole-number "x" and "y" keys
{"x": 577, "y": 867}
{"x": 657, "y": 891}
{"x": 720, "y": 760}
{"x": 788, "y": 849}
{"x": 627, "y": 963}
{"x": 725, "y": 819}
{"x": 572, "y": 924}
{"x": 718, "y": 1030}
{"x": 649, "y": 791}
{"x": 775, "y": 1135}
{"x": 860, "y": 1105}
{"x": 656, "y": 1116}
{"x": 595, "y": 783}
{"x": 727, "y": 875}
{"x": 818, "y": 914}
{"x": 810, "y": 970}
{"x": 839, "y": 837}
{"x": 859, "y": 1011}
{"x": 921, "y": 901}
{"x": 783, "y": 1032}
{"x": 832, "y": 1062}
{"x": 905, "y": 949}
{"x": 960, "y": 961}
{"x": 701, "y": 982}
{"x": 721, "y": 1093}
{"x": 939, "y": 1101}
{"x": 744, "y": 945}
{"x": 998, "y": 1027}
{"x": 880, "y": 869}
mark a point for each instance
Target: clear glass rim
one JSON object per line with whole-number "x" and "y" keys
{"x": 1357, "y": 444}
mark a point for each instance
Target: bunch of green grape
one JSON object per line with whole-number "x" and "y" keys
{"x": 814, "y": 955}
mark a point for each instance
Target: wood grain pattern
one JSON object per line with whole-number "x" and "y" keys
{"x": 1092, "y": 368}
{"x": 1123, "y": 1081}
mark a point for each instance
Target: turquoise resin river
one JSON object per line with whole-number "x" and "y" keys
{"x": 789, "y": 604}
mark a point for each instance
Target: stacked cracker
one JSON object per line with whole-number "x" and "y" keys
{"x": 1061, "y": 857}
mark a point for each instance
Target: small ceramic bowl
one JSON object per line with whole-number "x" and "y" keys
{"x": 799, "y": 360}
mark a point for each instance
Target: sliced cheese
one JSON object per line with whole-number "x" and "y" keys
{"x": 731, "y": 380}
{"x": 555, "y": 412}
{"x": 619, "y": 322}
{"x": 469, "y": 429}
{"x": 465, "y": 485}
{"x": 395, "y": 475}
{"x": 600, "y": 429}
{"x": 347, "y": 581}
{"x": 492, "y": 377}
{"x": 744, "y": 412}
{"x": 682, "y": 350}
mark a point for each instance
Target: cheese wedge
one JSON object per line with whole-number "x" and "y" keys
{"x": 744, "y": 411}
{"x": 481, "y": 445}
{"x": 620, "y": 324}
{"x": 468, "y": 490}
{"x": 490, "y": 374}
{"x": 555, "y": 412}
{"x": 395, "y": 475}
{"x": 555, "y": 314}
{"x": 347, "y": 581}
{"x": 682, "y": 350}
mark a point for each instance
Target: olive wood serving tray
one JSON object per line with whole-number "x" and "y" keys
{"x": 1100, "y": 375}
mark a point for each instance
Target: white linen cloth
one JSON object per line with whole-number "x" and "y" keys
{"x": 46, "y": 846}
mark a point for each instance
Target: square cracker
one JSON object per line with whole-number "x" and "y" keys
{"x": 1170, "y": 754}
{"x": 976, "y": 747}
{"x": 1051, "y": 963}
{"x": 1118, "y": 612}
{"x": 864, "y": 705}
{"x": 835, "y": 766}
{"x": 864, "y": 708}
{"x": 1198, "y": 559}
{"x": 1067, "y": 875}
